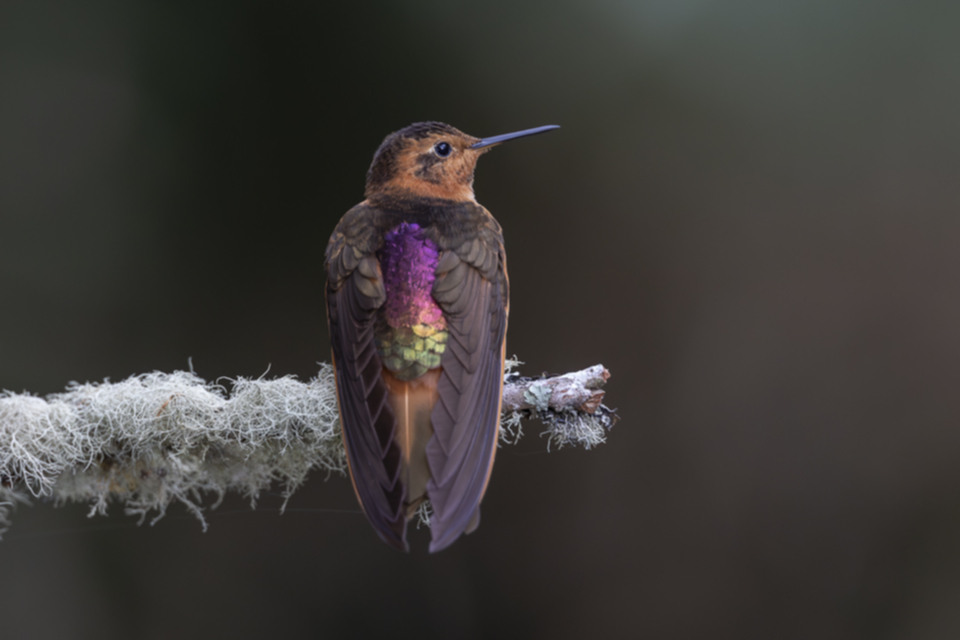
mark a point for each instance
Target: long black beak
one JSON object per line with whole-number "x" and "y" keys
{"x": 486, "y": 142}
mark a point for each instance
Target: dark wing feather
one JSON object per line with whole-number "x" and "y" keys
{"x": 471, "y": 290}
{"x": 354, "y": 293}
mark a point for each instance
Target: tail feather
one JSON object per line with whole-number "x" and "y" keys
{"x": 412, "y": 403}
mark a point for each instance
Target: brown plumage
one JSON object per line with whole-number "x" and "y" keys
{"x": 417, "y": 304}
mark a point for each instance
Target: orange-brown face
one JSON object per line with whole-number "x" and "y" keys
{"x": 426, "y": 160}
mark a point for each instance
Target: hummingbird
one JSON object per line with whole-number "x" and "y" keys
{"x": 417, "y": 302}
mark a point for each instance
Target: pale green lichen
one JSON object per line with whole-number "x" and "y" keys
{"x": 423, "y": 514}
{"x": 539, "y": 396}
{"x": 510, "y": 429}
{"x": 157, "y": 438}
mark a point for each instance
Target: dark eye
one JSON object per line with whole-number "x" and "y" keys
{"x": 443, "y": 149}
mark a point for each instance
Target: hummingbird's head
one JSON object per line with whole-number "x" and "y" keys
{"x": 431, "y": 159}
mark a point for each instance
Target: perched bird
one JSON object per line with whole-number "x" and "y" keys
{"x": 417, "y": 302}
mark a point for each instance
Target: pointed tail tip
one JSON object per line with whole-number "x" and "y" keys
{"x": 436, "y": 546}
{"x": 445, "y": 539}
{"x": 448, "y": 537}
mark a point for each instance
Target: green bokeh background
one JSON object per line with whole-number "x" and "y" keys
{"x": 750, "y": 216}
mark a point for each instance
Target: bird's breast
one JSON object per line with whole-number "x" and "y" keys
{"x": 410, "y": 329}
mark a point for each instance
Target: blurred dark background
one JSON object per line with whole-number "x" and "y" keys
{"x": 750, "y": 216}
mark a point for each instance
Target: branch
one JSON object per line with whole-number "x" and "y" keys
{"x": 157, "y": 438}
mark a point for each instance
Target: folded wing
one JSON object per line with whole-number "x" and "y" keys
{"x": 354, "y": 293}
{"x": 471, "y": 288}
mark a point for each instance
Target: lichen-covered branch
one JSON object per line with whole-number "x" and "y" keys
{"x": 158, "y": 438}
